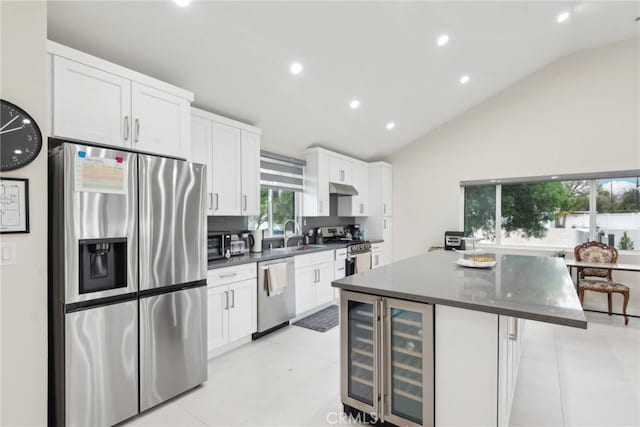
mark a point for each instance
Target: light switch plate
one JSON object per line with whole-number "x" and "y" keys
{"x": 7, "y": 253}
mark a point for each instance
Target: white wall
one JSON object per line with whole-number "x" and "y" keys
{"x": 23, "y": 287}
{"x": 578, "y": 114}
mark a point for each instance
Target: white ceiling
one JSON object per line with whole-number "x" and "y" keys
{"x": 235, "y": 58}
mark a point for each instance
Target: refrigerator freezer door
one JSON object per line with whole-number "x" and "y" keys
{"x": 94, "y": 197}
{"x": 173, "y": 344}
{"x": 101, "y": 366}
{"x": 173, "y": 228}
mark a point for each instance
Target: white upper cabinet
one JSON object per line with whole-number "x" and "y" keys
{"x": 340, "y": 170}
{"x": 201, "y": 152}
{"x": 100, "y": 102}
{"x": 90, "y": 104}
{"x": 357, "y": 206}
{"x": 161, "y": 121}
{"x": 250, "y": 143}
{"x": 378, "y": 224}
{"x": 387, "y": 188}
{"x": 316, "y": 184}
{"x": 231, "y": 151}
{"x": 227, "y": 172}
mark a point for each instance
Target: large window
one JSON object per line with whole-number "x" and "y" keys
{"x": 480, "y": 212}
{"x": 554, "y": 213}
{"x": 618, "y": 212}
{"x": 276, "y": 207}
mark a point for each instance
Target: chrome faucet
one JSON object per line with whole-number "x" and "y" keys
{"x": 296, "y": 229}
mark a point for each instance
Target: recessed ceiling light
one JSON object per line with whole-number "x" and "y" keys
{"x": 182, "y": 3}
{"x": 354, "y": 104}
{"x": 563, "y": 17}
{"x": 464, "y": 79}
{"x": 17, "y": 151}
{"x": 443, "y": 39}
{"x": 390, "y": 125}
{"x": 296, "y": 68}
{"x": 26, "y": 121}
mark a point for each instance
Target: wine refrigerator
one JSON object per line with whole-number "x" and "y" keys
{"x": 387, "y": 359}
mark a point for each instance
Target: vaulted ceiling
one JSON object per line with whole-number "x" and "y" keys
{"x": 235, "y": 57}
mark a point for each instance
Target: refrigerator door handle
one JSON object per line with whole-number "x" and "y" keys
{"x": 382, "y": 347}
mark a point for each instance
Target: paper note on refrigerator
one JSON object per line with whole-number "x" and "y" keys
{"x": 101, "y": 175}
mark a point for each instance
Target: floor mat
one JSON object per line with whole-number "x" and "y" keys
{"x": 321, "y": 321}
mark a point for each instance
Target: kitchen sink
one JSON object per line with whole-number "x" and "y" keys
{"x": 293, "y": 249}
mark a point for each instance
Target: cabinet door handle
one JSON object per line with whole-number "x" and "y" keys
{"x": 210, "y": 201}
{"x": 244, "y": 201}
{"x": 222, "y": 276}
{"x": 513, "y": 335}
{"x": 217, "y": 205}
{"x": 384, "y": 208}
{"x": 126, "y": 128}
{"x": 233, "y": 299}
{"x": 318, "y": 275}
{"x": 226, "y": 297}
{"x": 320, "y": 210}
{"x": 361, "y": 207}
{"x": 385, "y": 224}
{"x": 137, "y": 130}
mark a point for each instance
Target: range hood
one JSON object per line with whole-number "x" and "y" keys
{"x": 342, "y": 189}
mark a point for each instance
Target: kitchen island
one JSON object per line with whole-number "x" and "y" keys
{"x": 425, "y": 341}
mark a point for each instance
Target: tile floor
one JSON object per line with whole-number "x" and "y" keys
{"x": 573, "y": 377}
{"x": 568, "y": 377}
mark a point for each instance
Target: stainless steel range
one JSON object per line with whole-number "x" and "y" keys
{"x": 127, "y": 296}
{"x": 355, "y": 251}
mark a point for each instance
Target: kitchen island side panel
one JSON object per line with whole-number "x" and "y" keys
{"x": 466, "y": 367}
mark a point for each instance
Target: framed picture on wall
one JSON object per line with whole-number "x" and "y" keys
{"x": 14, "y": 205}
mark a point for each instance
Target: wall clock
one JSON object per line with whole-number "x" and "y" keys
{"x": 20, "y": 137}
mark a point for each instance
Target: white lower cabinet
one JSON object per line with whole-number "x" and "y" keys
{"x": 509, "y": 351}
{"x": 314, "y": 274}
{"x": 217, "y": 318}
{"x": 339, "y": 264}
{"x": 232, "y": 306}
{"x": 242, "y": 309}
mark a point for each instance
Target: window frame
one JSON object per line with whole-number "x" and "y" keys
{"x": 296, "y": 208}
{"x": 592, "y": 179}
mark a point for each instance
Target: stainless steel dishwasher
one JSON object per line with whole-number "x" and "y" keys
{"x": 275, "y": 311}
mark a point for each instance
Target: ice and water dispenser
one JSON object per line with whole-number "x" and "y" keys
{"x": 103, "y": 264}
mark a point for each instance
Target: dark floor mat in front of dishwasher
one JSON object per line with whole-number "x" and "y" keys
{"x": 321, "y": 321}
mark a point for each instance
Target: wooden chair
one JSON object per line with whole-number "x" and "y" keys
{"x": 599, "y": 279}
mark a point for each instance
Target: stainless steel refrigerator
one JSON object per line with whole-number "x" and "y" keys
{"x": 127, "y": 300}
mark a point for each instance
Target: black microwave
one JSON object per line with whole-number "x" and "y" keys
{"x": 218, "y": 245}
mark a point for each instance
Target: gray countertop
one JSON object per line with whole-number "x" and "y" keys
{"x": 528, "y": 287}
{"x": 270, "y": 254}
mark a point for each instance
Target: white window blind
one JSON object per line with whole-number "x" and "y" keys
{"x": 281, "y": 172}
